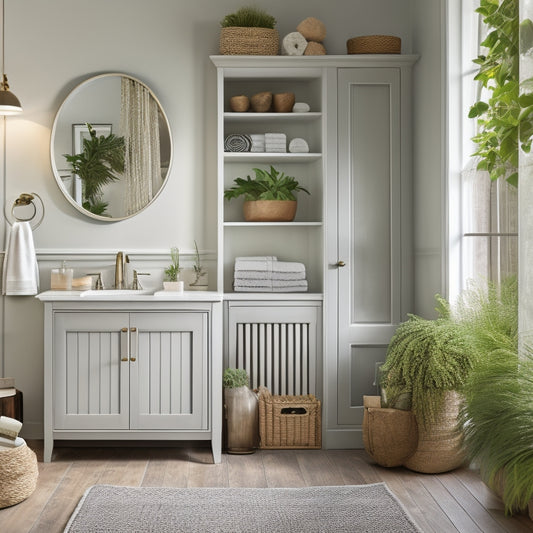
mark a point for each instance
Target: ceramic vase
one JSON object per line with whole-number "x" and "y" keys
{"x": 242, "y": 420}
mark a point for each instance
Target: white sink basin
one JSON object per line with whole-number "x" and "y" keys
{"x": 113, "y": 293}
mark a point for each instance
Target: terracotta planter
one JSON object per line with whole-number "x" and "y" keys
{"x": 269, "y": 210}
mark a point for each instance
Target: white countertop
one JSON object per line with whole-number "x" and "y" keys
{"x": 130, "y": 295}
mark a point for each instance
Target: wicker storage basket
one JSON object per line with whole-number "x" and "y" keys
{"x": 439, "y": 445}
{"x": 236, "y": 40}
{"x": 374, "y": 44}
{"x": 289, "y": 422}
{"x": 390, "y": 436}
{"x": 18, "y": 474}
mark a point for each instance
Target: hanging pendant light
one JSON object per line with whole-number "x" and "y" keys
{"x": 9, "y": 103}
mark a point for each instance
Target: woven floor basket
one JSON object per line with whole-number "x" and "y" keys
{"x": 439, "y": 445}
{"x": 289, "y": 422}
{"x": 18, "y": 474}
{"x": 249, "y": 41}
{"x": 374, "y": 44}
{"x": 390, "y": 436}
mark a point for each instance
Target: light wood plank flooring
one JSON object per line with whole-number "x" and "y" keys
{"x": 453, "y": 502}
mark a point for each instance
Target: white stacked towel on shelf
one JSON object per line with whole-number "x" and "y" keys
{"x": 267, "y": 274}
{"x": 21, "y": 272}
{"x": 275, "y": 142}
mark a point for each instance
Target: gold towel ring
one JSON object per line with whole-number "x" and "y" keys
{"x": 24, "y": 200}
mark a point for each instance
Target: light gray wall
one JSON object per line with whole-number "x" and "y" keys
{"x": 52, "y": 46}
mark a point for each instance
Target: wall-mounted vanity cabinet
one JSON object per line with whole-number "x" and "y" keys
{"x": 133, "y": 369}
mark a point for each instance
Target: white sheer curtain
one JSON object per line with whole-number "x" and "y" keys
{"x": 139, "y": 118}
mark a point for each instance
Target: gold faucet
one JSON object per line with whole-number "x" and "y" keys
{"x": 119, "y": 271}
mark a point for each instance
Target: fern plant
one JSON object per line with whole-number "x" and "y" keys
{"x": 100, "y": 162}
{"x": 267, "y": 185}
{"x": 426, "y": 358}
{"x": 249, "y": 17}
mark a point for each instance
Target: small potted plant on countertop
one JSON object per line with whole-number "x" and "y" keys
{"x": 249, "y": 31}
{"x": 267, "y": 198}
{"x": 241, "y": 412}
{"x": 200, "y": 282}
{"x": 172, "y": 272}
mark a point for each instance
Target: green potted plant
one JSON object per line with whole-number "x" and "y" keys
{"x": 100, "y": 163}
{"x": 241, "y": 412}
{"x": 269, "y": 197}
{"x": 429, "y": 360}
{"x": 249, "y": 31}
{"x": 200, "y": 282}
{"x": 172, "y": 272}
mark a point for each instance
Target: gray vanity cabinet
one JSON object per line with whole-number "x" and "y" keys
{"x": 130, "y": 371}
{"x": 140, "y": 368}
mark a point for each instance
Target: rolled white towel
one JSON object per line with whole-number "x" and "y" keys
{"x": 293, "y": 44}
{"x": 301, "y": 107}
{"x": 9, "y": 427}
{"x": 258, "y": 142}
{"x": 298, "y": 145}
{"x": 11, "y": 443}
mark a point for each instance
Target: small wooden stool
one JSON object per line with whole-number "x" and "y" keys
{"x": 12, "y": 406}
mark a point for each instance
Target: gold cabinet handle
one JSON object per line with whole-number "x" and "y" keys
{"x": 124, "y": 345}
{"x": 134, "y": 344}
{"x": 340, "y": 264}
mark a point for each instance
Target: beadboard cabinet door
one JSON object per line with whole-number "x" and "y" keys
{"x": 91, "y": 383}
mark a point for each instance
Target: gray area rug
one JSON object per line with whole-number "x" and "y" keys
{"x": 355, "y": 508}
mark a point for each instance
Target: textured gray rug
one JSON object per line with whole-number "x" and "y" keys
{"x": 354, "y": 508}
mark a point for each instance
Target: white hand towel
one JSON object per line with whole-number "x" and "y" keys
{"x": 258, "y": 142}
{"x": 256, "y": 258}
{"x": 281, "y": 276}
{"x": 270, "y": 266}
{"x": 21, "y": 272}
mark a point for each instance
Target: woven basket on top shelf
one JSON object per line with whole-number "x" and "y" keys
{"x": 236, "y": 40}
{"x": 374, "y": 44}
{"x": 18, "y": 474}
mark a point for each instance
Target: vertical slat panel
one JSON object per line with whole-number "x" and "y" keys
{"x": 105, "y": 370}
{"x": 268, "y": 356}
{"x": 72, "y": 373}
{"x": 275, "y": 357}
{"x": 175, "y": 371}
{"x": 155, "y": 372}
{"x": 114, "y": 373}
{"x": 297, "y": 358}
{"x": 165, "y": 388}
{"x": 83, "y": 373}
{"x": 186, "y": 372}
{"x": 93, "y": 393}
{"x": 305, "y": 359}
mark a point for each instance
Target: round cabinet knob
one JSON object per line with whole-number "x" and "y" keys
{"x": 341, "y": 264}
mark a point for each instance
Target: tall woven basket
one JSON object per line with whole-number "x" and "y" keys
{"x": 440, "y": 444}
{"x": 18, "y": 474}
{"x": 236, "y": 40}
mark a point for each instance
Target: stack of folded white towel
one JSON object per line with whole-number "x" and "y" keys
{"x": 258, "y": 142}
{"x": 267, "y": 274}
{"x": 275, "y": 142}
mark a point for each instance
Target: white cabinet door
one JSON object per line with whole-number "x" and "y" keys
{"x": 373, "y": 230}
{"x": 169, "y": 370}
{"x": 90, "y": 379}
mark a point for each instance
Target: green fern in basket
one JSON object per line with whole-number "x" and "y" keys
{"x": 248, "y": 17}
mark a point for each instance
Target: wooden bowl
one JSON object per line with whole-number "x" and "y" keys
{"x": 283, "y": 102}
{"x": 239, "y": 104}
{"x": 261, "y": 102}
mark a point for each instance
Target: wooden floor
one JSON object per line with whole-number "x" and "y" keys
{"x": 451, "y": 502}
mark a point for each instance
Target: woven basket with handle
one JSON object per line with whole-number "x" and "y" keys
{"x": 236, "y": 40}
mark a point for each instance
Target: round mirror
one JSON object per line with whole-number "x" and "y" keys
{"x": 111, "y": 147}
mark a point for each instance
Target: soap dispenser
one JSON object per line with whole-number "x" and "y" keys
{"x": 61, "y": 278}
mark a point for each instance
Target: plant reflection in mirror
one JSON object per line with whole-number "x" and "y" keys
{"x": 101, "y": 162}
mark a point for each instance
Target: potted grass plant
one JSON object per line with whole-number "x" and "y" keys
{"x": 172, "y": 272}
{"x": 241, "y": 412}
{"x": 269, "y": 197}
{"x": 200, "y": 282}
{"x": 249, "y": 31}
